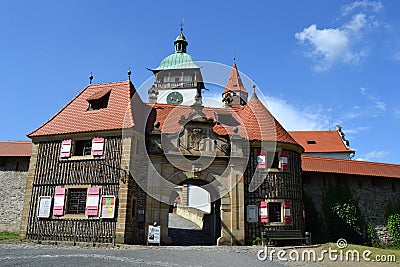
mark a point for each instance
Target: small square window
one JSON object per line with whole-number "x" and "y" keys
{"x": 76, "y": 200}
{"x": 82, "y": 147}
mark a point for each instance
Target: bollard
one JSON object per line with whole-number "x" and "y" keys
{"x": 308, "y": 238}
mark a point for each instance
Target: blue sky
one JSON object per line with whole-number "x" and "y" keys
{"x": 319, "y": 63}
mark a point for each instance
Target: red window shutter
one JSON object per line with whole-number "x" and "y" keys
{"x": 284, "y": 160}
{"x": 261, "y": 159}
{"x": 264, "y": 212}
{"x": 66, "y": 148}
{"x": 59, "y": 198}
{"x": 92, "y": 203}
{"x": 287, "y": 218}
{"x": 97, "y": 146}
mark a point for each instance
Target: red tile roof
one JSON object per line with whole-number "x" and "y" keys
{"x": 15, "y": 148}
{"x": 75, "y": 117}
{"x": 234, "y": 82}
{"x": 261, "y": 125}
{"x": 354, "y": 167}
{"x": 320, "y": 141}
{"x": 253, "y": 121}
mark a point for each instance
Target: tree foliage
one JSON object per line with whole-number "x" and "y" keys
{"x": 343, "y": 216}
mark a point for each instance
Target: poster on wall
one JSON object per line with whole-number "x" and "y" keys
{"x": 252, "y": 213}
{"x": 107, "y": 207}
{"x": 44, "y": 207}
{"x": 154, "y": 233}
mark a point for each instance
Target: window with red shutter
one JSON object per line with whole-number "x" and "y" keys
{"x": 92, "y": 204}
{"x": 97, "y": 146}
{"x": 284, "y": 160}
{"x": 287, "y": 217}
{"x": 59, "y": 200}
{"x": 66, "y": 148}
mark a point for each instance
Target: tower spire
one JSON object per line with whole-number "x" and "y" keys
{"x": 235, "y": 93}
{"x": 180, "y": 41}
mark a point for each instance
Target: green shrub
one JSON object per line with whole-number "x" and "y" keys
{"x": 371, "y": 234}
{"x": 257, "y": 241}
{"x": 394, "y": 229}
{"x": 343, "y": 216}
{"x": 392, "y": 208}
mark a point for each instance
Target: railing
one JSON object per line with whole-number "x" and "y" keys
{"x": 175, "y": 85}
{"x": 93, "y": 231}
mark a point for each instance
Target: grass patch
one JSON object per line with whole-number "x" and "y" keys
{"x": 386, "y": 254}
{"x": 8, "y": 235}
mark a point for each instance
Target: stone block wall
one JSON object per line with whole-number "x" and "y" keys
{"x": 12, "y": 192}
{"x": 192, "y": 214}
{"x": 373, "y": 194}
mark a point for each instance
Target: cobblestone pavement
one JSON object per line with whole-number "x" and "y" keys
{"x": 184, "y": 232}
{"x": 32, "y": 254}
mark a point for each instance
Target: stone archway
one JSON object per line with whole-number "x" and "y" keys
{"x": 228, "y": 206}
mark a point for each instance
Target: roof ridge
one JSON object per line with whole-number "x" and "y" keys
{"x": 301, "y": 131}
{"x": 351, "y": 160}
{"x": 107, "y": 83}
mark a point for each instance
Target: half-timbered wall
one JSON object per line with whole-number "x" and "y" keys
{"x": 275, "y": 185}
{"x": 51, "y": 172}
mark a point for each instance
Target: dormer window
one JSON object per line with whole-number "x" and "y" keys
{"x": 98, "y": 100}
{"x": 311, "y": 142}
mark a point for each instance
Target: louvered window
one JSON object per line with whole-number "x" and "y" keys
{"x": 77, "y": 200}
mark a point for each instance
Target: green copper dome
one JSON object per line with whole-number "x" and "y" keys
{"x": 180, "y": 59}
{"x": 177, "y": 61}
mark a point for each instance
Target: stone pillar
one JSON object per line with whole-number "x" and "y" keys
{"x": 184, "y": 195}
{"x": 123, "y": 197}
{"x": 28, "y": 190}
{"x": 232, "y": 212}
{"x": 157, "y": 207}
{"x": 122, "y": 207}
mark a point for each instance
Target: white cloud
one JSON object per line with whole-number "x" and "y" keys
{"x": 293, "y": 118}
{"x": 345, "y": 44}
{"x": 377, "y": 104}
{"x": 364, "y": 5}
{"x": 357, "y": 130}
{"x": 374, "y": 155}
{"x": 328, "y": 45}
{"x": 357, "y": 23}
